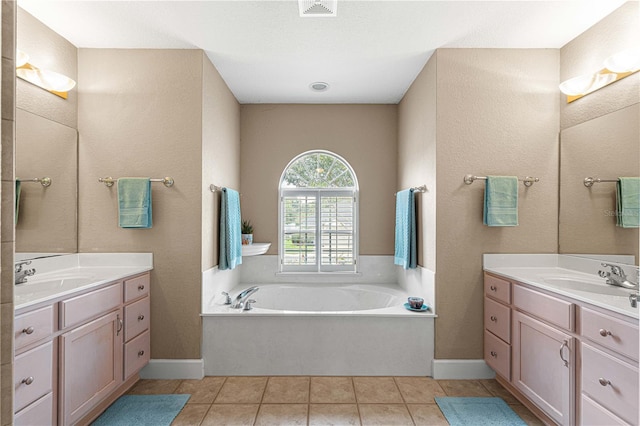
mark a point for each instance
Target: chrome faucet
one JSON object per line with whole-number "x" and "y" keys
{"x": 616, "y": 276}
{"x": 21, "y": 274}
{"x": 241, "y": 299}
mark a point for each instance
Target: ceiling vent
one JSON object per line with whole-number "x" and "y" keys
{"x": 317, "y": 8}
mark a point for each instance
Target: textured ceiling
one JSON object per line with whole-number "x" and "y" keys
{"x": 369, "y": 53}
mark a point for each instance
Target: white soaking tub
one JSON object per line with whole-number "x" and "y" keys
{"x": 318, "y": 329}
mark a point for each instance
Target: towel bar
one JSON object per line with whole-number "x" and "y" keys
{"x": 109, "y": 181}
{"x": 421, "y": 188}
{"x": 527, "y": 181}
{"x": 45, "y": 181}
{"x": 589, "y": 181}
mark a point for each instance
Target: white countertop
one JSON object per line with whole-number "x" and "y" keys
{"x": 61, "y": 276}
{"x": 555, "y": 273}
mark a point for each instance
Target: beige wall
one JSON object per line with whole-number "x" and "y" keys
{"x": 587, "y": 53}
{"x": 7, "y": 127}
{"x": 364, "y": 135}
{"x": 140, "y": 114}
{"x": 417, "y": 155}
{"x": 496, "y": 113}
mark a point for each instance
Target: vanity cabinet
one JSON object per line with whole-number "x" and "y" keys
{"x": 570, "y": 362}
{"x": 77, "y": 355}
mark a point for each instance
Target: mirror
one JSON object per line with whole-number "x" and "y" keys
{"x": 606, "y": 147}
{"x": 47, "y": 216}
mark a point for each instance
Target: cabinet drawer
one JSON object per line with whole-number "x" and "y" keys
{"x": 136, "y": 318}
{"x": 33, "y": 326}
{"x": 548, "y": 308}
{"x": 497, "y": 319}
{"x": 497, "y": 354}
{"x": 136, "y": 354}
{"x": 38, "y": 413}
{"x": 90, "y": 305}
{"x": 610, "y": 332}
{"x": 592, "y": 414}
{"x": 137, "y": 287}
{"x": 33, "y": 375}
{"x": 497, "y": 288}
{"x": 610, "y": 382}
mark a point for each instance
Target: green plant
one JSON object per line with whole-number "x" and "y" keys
{"x": 247, "y": 227}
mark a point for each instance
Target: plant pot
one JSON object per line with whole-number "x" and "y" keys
{"x": 247, "y": 239}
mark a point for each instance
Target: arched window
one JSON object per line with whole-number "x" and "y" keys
{"x": 318, "y": 214}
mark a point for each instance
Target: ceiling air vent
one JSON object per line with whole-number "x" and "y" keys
{"x": 317, "y": 8}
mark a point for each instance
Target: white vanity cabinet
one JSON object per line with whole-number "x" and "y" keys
{"x": 74, "y": 356}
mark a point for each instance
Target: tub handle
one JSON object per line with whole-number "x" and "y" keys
{"x": 247, "y": 305}
{"x": 227, "y": 300}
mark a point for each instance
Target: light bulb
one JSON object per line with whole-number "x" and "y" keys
{"x": 586, "y": 83}
{"x": 625, "y": 61}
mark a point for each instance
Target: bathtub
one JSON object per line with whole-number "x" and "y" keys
{"x": 318, "y": 329}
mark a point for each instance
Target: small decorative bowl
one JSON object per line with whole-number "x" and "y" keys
{"x": 415, "y": 302}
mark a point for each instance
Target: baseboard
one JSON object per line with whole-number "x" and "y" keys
{"x": 461, "y": 369}
{"x": 173, "y": 369}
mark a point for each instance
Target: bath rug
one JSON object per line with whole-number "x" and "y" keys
{"x": 478, "y": 411}
{"x": 151, "y": 410}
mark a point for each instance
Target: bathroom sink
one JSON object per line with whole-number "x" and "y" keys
{"x": 570, "y": 283}
{"x": 54, "y": 282}
{"x": 255, "y": 249}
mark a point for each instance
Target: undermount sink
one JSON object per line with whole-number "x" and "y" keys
{"x": 255, "y": 249}
{"x": 571, "y": 283}
{"x": 36, "y": 284}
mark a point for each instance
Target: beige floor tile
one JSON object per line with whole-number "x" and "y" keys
{"x": 231, "y": 415}
{"x": 154, "y": 387}
{"x": 202, "y": 391}
{"x": 332, "y": 390}
{"x": 191, "y": 415}
{"x": 384, "y": 414}
{"x": 376, "y": 390}
{"x": 498, "y": 390}
{"x": 286, "y": 390}
{"x": 282, "y": 414}
{"x": 419, "y": 390}
{"x": 526, "y": 415}
{"x": 333, "y": 414}
{"x": 463, "y": 388}
{"x": 427, "y": 415}
{"x": 242, "y": 390}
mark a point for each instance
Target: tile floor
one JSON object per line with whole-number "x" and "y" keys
{"x": 296, "y": 400}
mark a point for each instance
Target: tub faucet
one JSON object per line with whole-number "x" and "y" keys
{"x": 21, "y": 274}
{"x": 616, "y": 276}
{"x": 241, "y": 299}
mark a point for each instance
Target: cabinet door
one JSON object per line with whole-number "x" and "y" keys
{"x": 91, "y": 360}
{"x": 543, "y": 366}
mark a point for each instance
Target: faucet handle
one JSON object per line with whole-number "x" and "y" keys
{"x": 247, "y": 305}
{"x": 19, "y": 265}
{"x": 227, "y": 300}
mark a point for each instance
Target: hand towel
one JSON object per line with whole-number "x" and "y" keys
{"x": 230, "y": 253}
{"x": 628, "y": 202}
{"x": 405, "y": 244}
{"x": 134, "y": 203}
{"x": 501, "y": 201}
{"x": 17, "y": 206}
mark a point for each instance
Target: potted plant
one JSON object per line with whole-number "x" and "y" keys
{"x": 247, "y": 232}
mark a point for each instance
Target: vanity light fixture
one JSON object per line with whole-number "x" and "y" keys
{"x": 616, "y": 67}
{"x": 54, "y": 82}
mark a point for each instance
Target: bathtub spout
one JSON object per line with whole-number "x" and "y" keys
{"x": 241, "y": 299}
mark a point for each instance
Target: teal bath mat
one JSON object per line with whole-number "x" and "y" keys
{"x": 151, "y": 410}
{"x": 478, "y": 411}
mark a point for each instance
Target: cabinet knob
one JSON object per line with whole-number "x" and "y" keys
{"x": 141, "y": 287}
{"x": 140, "y": 353}
{"x": 493, "y": 288}
{"x": 494, "y": 354}
{"x": 605, "y": 333}
{"x": 604, "y": 382}
{"x": 28, "y": 330}
{"x": 28, "y": 380}
{"x": 494, "y": 318}
{"x": 140, "y": 317}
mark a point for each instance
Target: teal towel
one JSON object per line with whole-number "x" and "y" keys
{"x": 628, "y": 202}
{"x": 134, "y": 203}
{"x": 501, "y": 201}
{"x": 17, "y": 206}
{"x": 406, "y": 244}
{"x": 230, "y": 254}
